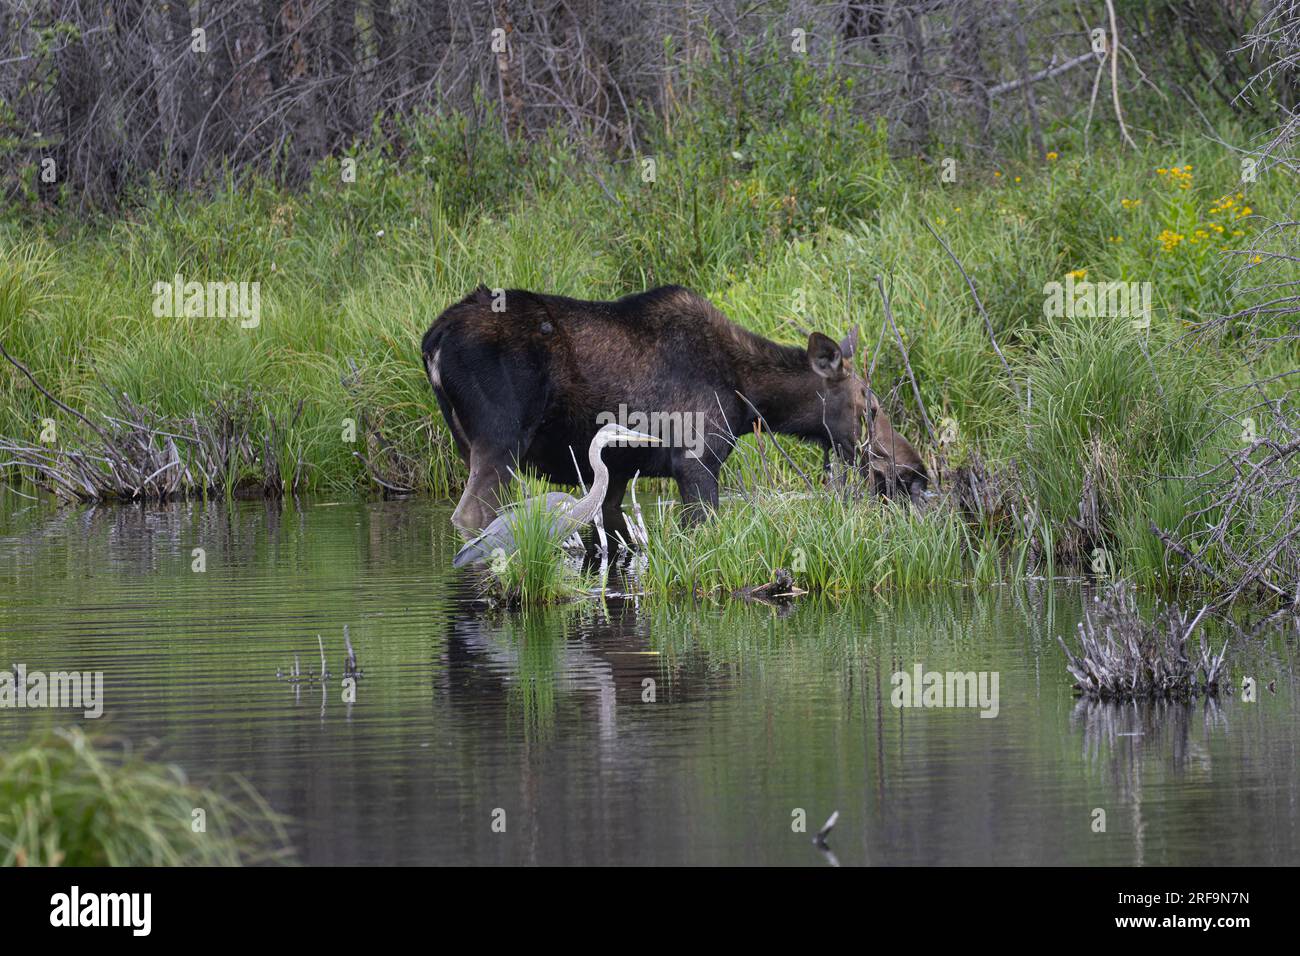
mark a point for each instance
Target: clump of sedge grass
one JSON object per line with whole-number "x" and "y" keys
{"x": 536, "y": 572}
{"x": 1111, "y": 405}
{"x": 69, "y": 800}
{"x": 1124, "y": 657}
{"x": 832, "y": 543}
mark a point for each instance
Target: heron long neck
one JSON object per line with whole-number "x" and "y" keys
{"x": 590, "y": 503}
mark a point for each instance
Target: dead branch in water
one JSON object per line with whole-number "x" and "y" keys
{"x": 1124, "y": 657}
{"x": 295, "y": 675}
{"x": 827, "y": 827}
{"x": 135, "y": 455}
{"x": 781, "y": 589}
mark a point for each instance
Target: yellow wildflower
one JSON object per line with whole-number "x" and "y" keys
{"x": 1169, "y": 239}
{"x": 1182, "y": 175}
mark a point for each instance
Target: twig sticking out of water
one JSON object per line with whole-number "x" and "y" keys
{"x": 636, "y": 528}
{"x": 819, "y": 840}
{"x": 350, "y": 668}
{"x": 825, "y": 831}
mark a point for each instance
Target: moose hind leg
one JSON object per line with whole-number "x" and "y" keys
{"x": 489, "y": 475}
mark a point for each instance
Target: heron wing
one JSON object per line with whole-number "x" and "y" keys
{"x": 500, "y": 533}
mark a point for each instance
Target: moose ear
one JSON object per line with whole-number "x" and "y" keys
{"x": 849, "y": 344}
{"x": 825, "y": 356}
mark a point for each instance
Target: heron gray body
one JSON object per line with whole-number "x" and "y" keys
{"x": 568, "y": 514}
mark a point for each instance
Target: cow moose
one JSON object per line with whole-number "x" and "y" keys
{"x": 524, "y": 379}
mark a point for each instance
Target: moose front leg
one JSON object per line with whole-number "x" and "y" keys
{"x": 698, "y": 486}
{"x": 611, "y": 512}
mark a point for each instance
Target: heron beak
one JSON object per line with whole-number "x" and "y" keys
{"x": 642, "y": 438}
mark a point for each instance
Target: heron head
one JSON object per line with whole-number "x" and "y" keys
{"x": 615, "y": 434}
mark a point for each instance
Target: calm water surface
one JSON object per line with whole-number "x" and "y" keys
{"x": 463, "y": 712}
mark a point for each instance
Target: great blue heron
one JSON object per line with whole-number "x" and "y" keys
{"x": 568, "y": 514}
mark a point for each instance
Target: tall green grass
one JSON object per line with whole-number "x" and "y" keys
{"x": 1111, "y": 401}
{"x": 535, "y": 570}
{"x": 832, "y": 544}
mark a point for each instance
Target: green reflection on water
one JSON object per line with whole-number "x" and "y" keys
{"x": 756, "y": 711}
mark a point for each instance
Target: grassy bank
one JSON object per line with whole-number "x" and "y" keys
{"x": 784, "y": 225}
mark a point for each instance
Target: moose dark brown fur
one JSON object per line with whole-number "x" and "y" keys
{"x": 521, "y": 379}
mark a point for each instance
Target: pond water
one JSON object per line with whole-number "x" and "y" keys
{"x": 465, "y": 717}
